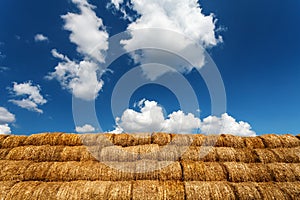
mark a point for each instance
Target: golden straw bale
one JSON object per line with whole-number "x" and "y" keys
{"x": 229, "y": 154}
{"x": 208, "y": 190}
{"x": 148, "y": 151}
{"x": 265, "y": 155}
{"x": 208, "y": 154}
{"x": 121, "y": 154}
{"x": 3, "y": 153}
{"x": 22, "y": 190}
{"x": 290, "y": 188}
{"x": 296, "y": 170}
{"x": 271, "y": 191}
{"x": 120, "y": 190}
{"x": 168, "y": 153}
{"x": 287, "y": 155}
{"x": 254, "y": 142}
{"x": 36, "y": 153}
{"x": 197, "y": 153}
{"x": 198, "y": 139}
{"x": 43, "y": 139}
{"x": 226, "y": 140}
{"x": 289, "y": 141}
{"x": 5, "y": 187}
{"x": 203, "y": 171}
{"x": 169, "y": 171}
{"x": 67, "y": 139}
{"x": 211, "y": 140}
{"x": 182, "y": 139}
{"x": 77, "y": 153}
{"x": 244, "y": 172}
{"x": 2, "y": 138}
{"x": 161, "y": 138}
{"x": 101, "y": 139}
{"x": 37, "y": 171}
{"x": 246, "y": 190}
{"x": 126, "y": 140}
{"x": 271, "y": 141}
{"x": 146, "y": 170}
{"x": 46, "y": 190}
{"x": 13, "y": 141}
{"x": 281, "y": 172}
{"x": 13, "y": 170}
{"x": 148, "y": 190}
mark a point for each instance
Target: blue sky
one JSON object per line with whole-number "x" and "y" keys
{"x": 258, "y": 59}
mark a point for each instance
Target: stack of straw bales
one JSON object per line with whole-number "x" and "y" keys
{"x": 149, "y": 166}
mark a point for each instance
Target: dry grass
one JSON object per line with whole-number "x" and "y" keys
{"x": 161, "y": 138}
{"x": 254, "y": 142}
{"x": 203, "y": 171}
{"x": 158, "y": 190}
{"x": 246, "y": 190}
{"x": 13, "y": 141}
{"x": 208, "y": 190}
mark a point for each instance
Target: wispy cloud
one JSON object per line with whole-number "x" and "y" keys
{"x": 40, "y": 38}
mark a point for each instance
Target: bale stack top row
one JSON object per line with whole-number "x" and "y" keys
{"x": 149, "y": 166}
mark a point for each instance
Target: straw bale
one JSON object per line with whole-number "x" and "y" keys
{"x": 148, "y": 151}
{"x": 208, "y": 154}
{"x": 211, "y": 140}
{"x": 170, "y": 171}
{"x": 37, "y": 171}
{"x": 208, "y": 190}
{"x": 288, "y": 155}
{"x": 2, "y": 138}
{"x": 290, "y": 188}
{"x": 295, "y": 167}
{"x": 46, "y": 190}
{"x": 226, "y": 140}
{"x": 203, "y": 171}
{"x": 254, "y": 142}
{"x": 126, "y": 140}
{"x": 13, "y": 141}
{"x": 289, "y": 141}
{"x": 281, "y": 172}
{"x": 13, "y": 170}
{"x": 244, "y": 172}
{"x": 265, "y": 155}
{"x": 197, "y": 153}
{"x": 22, "y": 190}
{"x": 36, "y": 153}
{"x": 121, "y": 154}
{"x": 67, "y": 139}
{"x": 198, "y": 139}
{"x": 157, "y": 190}
{"x": 271, "y": 191}
{"x": 101, "y": 139}
{"x": 119, "y": 190}
{"x": 5, "y": 187}
{"x": 271, "y": 141}
{"x": 43, "y": 139}
{"x": 147, "y": 170}
{"x": 246, "y": 190}
{"x": 229, "y": 154}
{"x": 182, "y": 139}
{"x": 161, "y": 138}
{"x": 3, "y": 153}
{"x": 77, "y": 153}
{"x": 168, "y": 153}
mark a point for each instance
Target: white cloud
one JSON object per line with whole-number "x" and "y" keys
{"x": 80, "y": 78}
{"x": 40, "y": 38}
{"x": 181, "y": 16}
{"x": 226, "y": 124}
{"x": 33, "y": 97}
{"x": 5, "y": 129}
{"x": 151, "y": 119}
{"x": 6, "y": 116}
{"x": 2, "y": 69}
{"x": 87, "y": 31}
{"x": 85, "y": 129}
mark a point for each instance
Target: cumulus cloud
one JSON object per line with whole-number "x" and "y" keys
{"x": 5, "y": 118}
{"x": 87, "y": 31}
{"x": 40, "y": 38}
{"x": 33, "y": 97}
{"x": 82, "y": 78}
{"x": 181, "y": 16}
{"x": 87, "y": 128}
{"x": 226, "y": 124}
{"x": 151, "y": 119}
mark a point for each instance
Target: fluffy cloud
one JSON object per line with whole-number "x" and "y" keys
{"x": 181, "y": 16}
{"x": 151, "y": 119}
{"x": 85, "y": 129}
{"x": 87, "y": 31}
{"x": 80, "y": 78}
{"x": 33, "y": 97}
{"x": 226, "y": 124}
{"x": 5, "y": 118}
{"x": 40, "y": 38}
